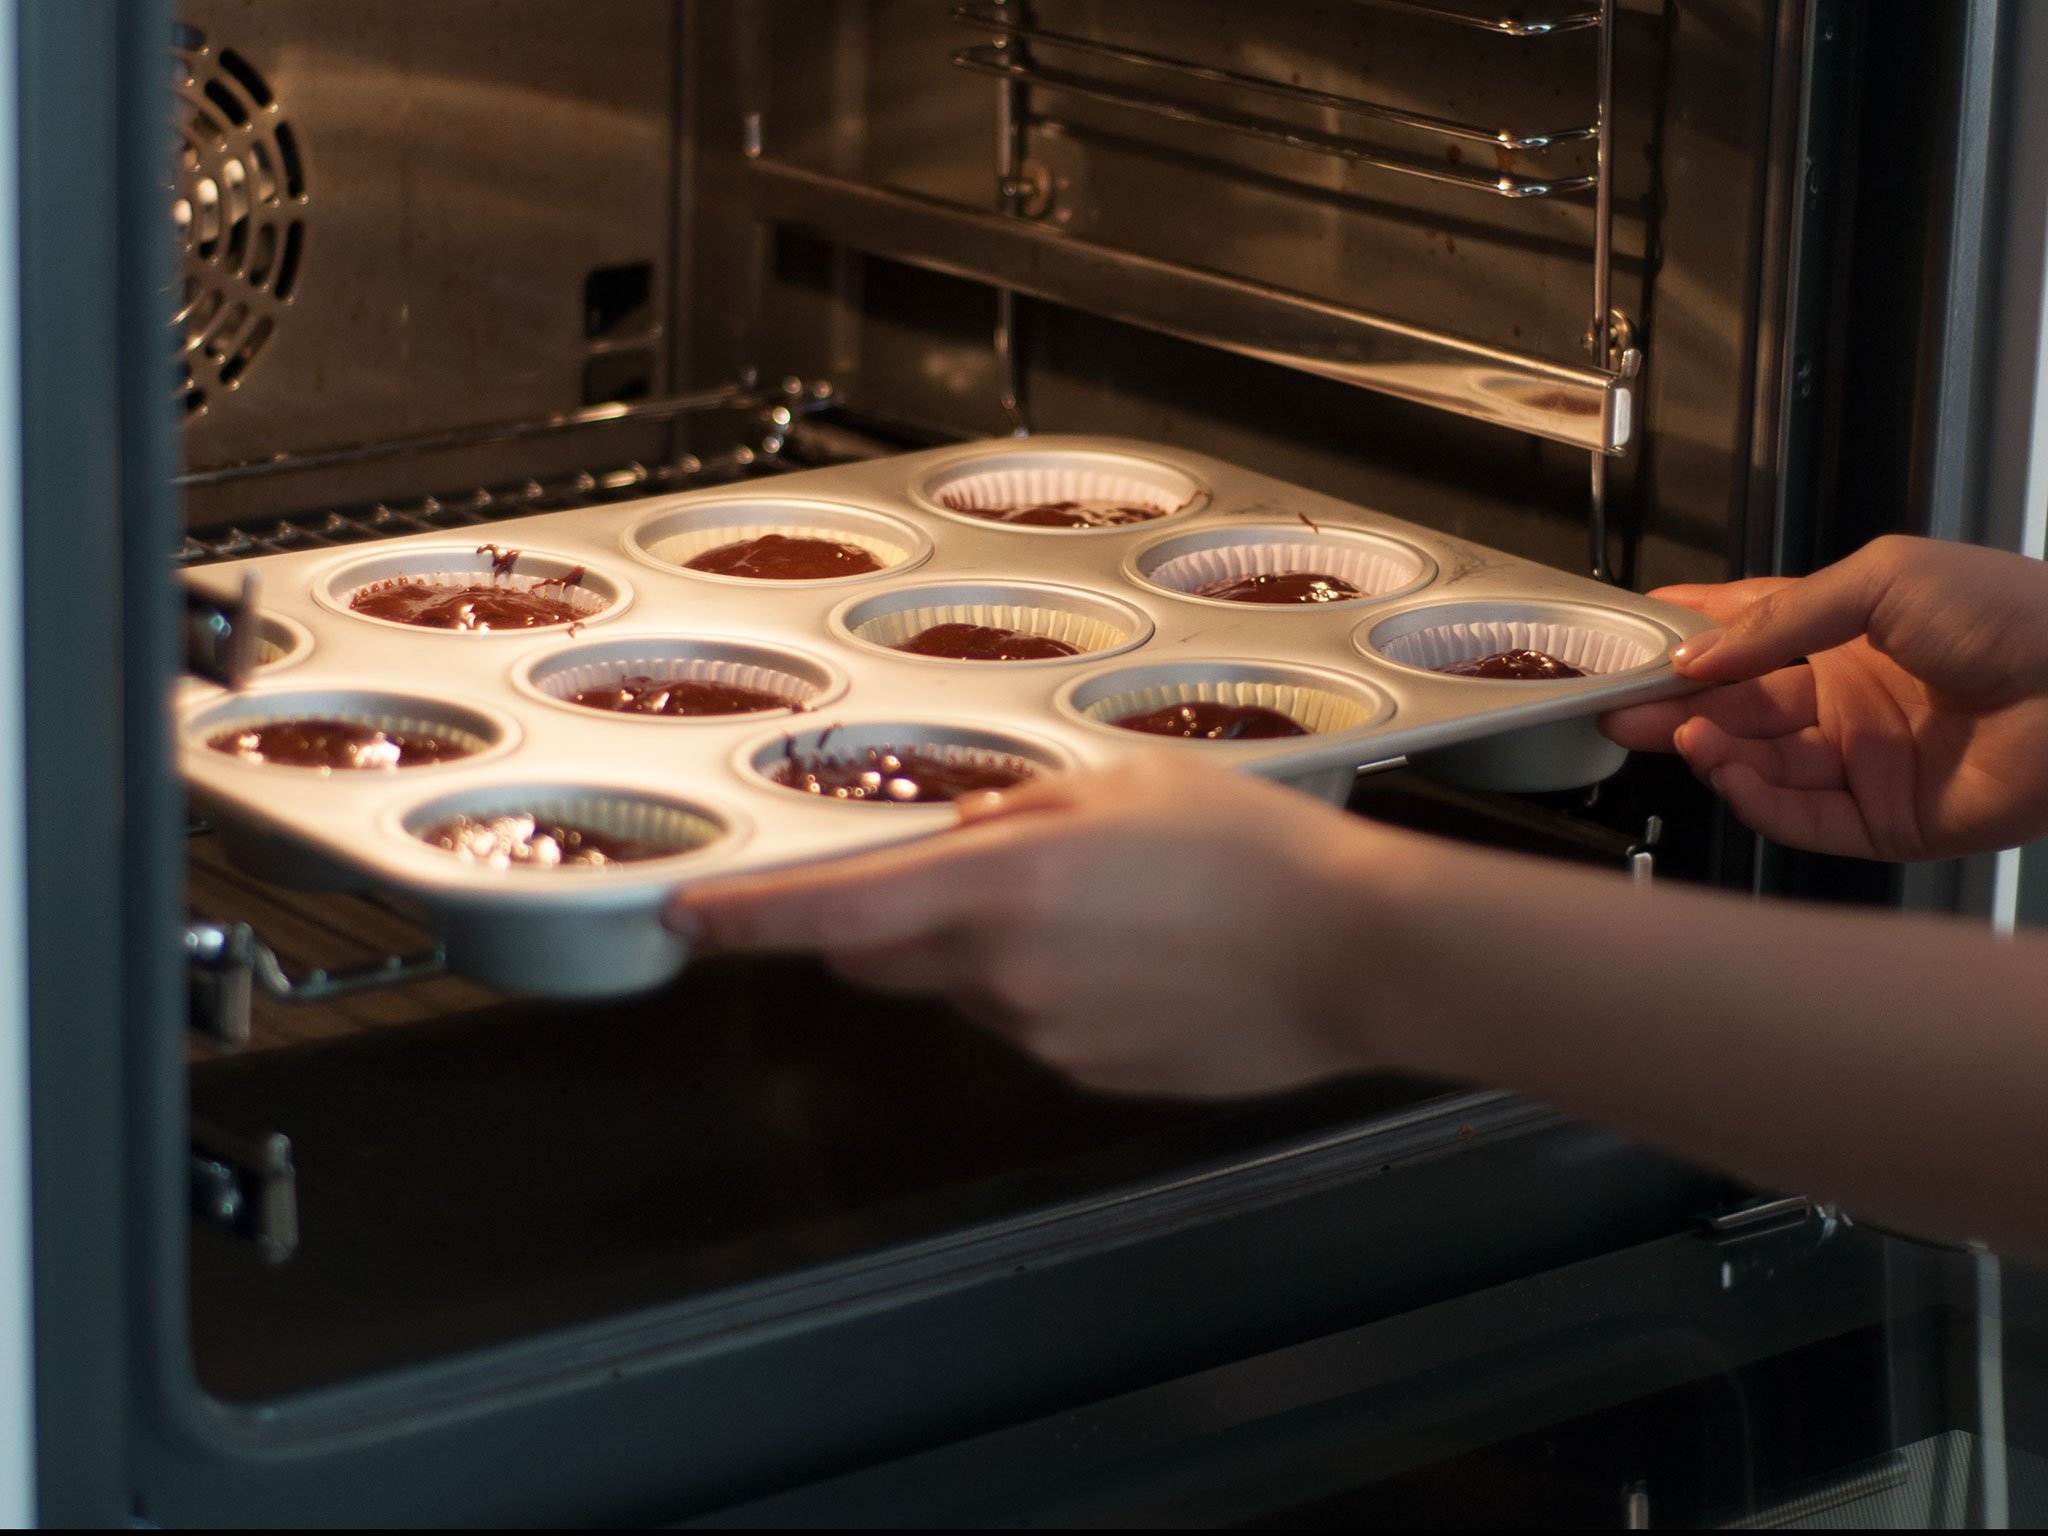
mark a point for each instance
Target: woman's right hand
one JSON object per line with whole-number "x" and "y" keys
{"x": 1918, "y": 728}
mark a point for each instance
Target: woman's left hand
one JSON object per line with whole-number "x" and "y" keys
{"x": 1160, "y": 927}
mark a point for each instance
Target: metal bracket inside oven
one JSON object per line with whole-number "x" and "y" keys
{"x": 228, "y": 961}
{"x": 248, "y": 1187}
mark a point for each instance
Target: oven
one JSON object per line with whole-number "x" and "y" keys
{"x": 1651, "y": 290}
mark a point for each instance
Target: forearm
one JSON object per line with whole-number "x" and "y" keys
{"x": 1797, "y": 1047}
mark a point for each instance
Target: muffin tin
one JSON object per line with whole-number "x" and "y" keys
{"x": 1354, "y": 672}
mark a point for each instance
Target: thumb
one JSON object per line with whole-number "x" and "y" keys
{"x": 1791, "y": 621}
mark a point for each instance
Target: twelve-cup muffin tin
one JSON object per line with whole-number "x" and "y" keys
{"x": 1357, "y": 674}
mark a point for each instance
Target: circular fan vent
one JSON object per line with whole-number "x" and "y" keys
{"x": 237, "y": 202}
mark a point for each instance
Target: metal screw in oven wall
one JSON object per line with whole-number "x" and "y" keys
{"x": 1029, "y": 192}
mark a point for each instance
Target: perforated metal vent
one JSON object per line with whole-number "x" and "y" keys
{"x": 238, "y": 202}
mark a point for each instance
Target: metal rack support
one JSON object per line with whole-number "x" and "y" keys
{"x": 1013, "y": 109}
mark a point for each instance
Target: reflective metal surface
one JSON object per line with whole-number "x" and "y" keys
{"x": 465, "y": 174}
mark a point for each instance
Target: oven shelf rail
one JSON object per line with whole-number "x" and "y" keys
{"x": 775, "y": 410}
{"x": 1010, "y": 250}
{"x": 1006, "y": 61}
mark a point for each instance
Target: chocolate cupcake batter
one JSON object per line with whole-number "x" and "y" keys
{"x": 1060, "y": 514}
{"x": 329, "y": 744}
{"x": 984, "y": 642}
{"x": 778, "y": 557}
{"x": 540, "y": 842}
{"x": 1280, "y": 587}
{"x": 1203, "y": 720}
{"x": 1521, "y": 666}
{"x": 894, "y": 775}
{"x": 647, "y": 696}
{"x": 474, "y": 608}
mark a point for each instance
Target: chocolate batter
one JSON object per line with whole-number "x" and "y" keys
{"x": 1280, "y": 587}
{"x": 476, "y": 608}
{"x": 543, "y": 842}
{"x": 984, "y": 642}
{"x": 1060, "y": 514}
{"x": 1206, "y": 721}
{"x": 894, "y": 775}
{"x": 646, "y": 696}
{"x": 327, "y": 744}
{"x": 778, "y": 557}
{"x": 1521, "y": 666}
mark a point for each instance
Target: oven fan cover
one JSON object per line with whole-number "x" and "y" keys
{"x": 238, "y": 198}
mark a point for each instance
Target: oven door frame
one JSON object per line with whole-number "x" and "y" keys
{"x": 590, "y": 1422}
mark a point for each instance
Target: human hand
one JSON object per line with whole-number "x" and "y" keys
{"x": 1160, "y": 927}
{"x": 1917, "y": 730}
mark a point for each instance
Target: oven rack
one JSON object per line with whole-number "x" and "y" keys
{"x": 1007, "y": 61}
{"x": 777, "y": 410}
{"x": 1589, "y": 407}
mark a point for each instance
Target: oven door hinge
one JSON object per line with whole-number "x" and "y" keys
{"x": 250, "y": 1188}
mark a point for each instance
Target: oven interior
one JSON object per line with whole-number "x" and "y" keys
{"x": 440, "y": 267}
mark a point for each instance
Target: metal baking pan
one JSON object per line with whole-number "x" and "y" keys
{"x": 1358, "y": 673}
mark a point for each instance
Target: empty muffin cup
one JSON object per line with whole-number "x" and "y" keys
{"x": 1599, "y": 642}
{"x": 343, "y": 732}
{"x": 1320, "y": 703}
{"x": 1086, "y": 622}
{"x": 1053, "y": 490}
{"x": 719, "y": 679}
{"x": 280, "y": 640}
{"x": 898, "y": 765}
{"x": 1371, "y": 566}
{"x": 673, "y": 539}
{"x": 543, "y": 590}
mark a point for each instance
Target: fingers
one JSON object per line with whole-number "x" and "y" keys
{"x": 867, "y": 902}
{"x": 1721, "y": 601}
{"x": 1797, "y": 760}
{"x": 1763, "y": 707}
{"x": 1822, "y": 820}
{"x": 1783, "y": 622}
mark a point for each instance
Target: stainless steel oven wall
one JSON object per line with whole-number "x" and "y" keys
{"x": 803, "y": 109}
{"x": 485, "y": 201}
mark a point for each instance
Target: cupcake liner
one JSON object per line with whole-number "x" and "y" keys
{"x": 1031, "y": 479}
{"x": 1082, "y": 631}
{"x": 1374, "y": 569}
{"x": 1319, "y": 711}
{"x": 411, "y": 717}
{"x": 680, "y": 549}
{"x": 564, "y": 678}
{"x": 674, "y": 827}
{"x": 949, "y": 744}
{"x": 1593, "y": 650}
{"x": 586, "y": 602}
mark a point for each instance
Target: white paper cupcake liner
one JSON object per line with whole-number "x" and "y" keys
{"x": 1593, "y": 650}
{"x": 681, "y": 548}
{"x": 473, "y": 733}
{"x": 1084, "y": 632}
{"x": 1318, "y": 711}
{"x": 949, "y": 744}
{"x": 586, "y": 602}
{"x": 667, "y": 825}
{"x": 563, "y": 679}
{"x": 1374, "y": 570}
{"x": 1028, "y": 479}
